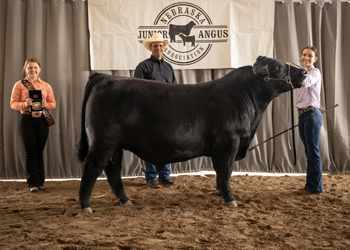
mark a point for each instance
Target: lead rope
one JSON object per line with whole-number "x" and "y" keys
{"x": 293, "y": 134}
{"x": 288, "y": 80}
{"x": 288, "y": 122}
{"x": 292, "y": 117}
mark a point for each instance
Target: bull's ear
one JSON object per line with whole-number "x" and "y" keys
{"x": 261, "y": 71}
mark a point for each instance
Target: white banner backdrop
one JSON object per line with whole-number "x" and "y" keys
{"x": 203, "y": 34}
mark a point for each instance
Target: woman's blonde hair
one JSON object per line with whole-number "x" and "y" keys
{"x": 34, "y": 60}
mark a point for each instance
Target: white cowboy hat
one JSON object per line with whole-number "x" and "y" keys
{"x": 156, "y": 38}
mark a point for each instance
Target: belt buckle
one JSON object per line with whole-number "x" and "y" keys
{"x": 302, "y": 111}
{"x": 37, "y": 114}
{"x": 309, "y": 108}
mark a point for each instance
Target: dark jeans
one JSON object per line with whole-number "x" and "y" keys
{"x": 33, "y": 133}
{"x": 151, "y": 172}
{"x": 310, "y": 124}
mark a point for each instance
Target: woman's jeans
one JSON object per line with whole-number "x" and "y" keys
{"x": 310, "y": 124}
{"x": 151, "y": 172}
{"x": 33, "y": 133}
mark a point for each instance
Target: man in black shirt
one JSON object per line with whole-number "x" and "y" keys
{"x": 155, "y": 68}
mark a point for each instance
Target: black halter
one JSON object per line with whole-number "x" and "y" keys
{"x": 287, "y": 79}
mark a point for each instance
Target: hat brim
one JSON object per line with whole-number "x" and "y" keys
{"x": 147, "y": 43}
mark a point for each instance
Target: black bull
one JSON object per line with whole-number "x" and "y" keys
{"x": 164, "y": 123}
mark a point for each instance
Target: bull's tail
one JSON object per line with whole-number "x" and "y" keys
{"x": 83, "y": 146}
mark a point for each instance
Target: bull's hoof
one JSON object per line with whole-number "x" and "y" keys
{"x": 128, "y": 203}
{"x": 87, "y": 210}
{"x": 232, "y": 203}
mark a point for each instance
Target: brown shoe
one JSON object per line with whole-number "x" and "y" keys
{"x": 153, "y": 184}
{"x": 168, "y": 182}
{"x": 303, "y": 191}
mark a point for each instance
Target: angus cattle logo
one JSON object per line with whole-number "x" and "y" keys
{"x": 182, "y": 30}
{"x": 189, "y": 30}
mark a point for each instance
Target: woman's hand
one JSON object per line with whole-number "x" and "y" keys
{"x": 29, "y": 102}
{"x": 43, "y": 104}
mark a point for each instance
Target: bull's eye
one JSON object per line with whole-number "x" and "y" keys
{"x": 278, "y": 69}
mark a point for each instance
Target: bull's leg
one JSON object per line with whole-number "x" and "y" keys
{"x": 223, "y": 165}
{"x": 115, "y": 181}
{"x": 218, "y": 184}
{"x": 95, "y": 162}
{"x": 91, "y": 171}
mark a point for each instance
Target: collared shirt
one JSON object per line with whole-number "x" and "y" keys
{"x": 153, "y": 69}
{"x": 20, "y": 94}
{"x": 310, "y": 94}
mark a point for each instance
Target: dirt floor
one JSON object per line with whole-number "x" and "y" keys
{"x": 187, "y": 215}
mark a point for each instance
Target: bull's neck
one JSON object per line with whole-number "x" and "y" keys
{"x": 252, "y": 91}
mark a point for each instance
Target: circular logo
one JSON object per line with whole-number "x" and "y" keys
{"x": 186, "y": 23}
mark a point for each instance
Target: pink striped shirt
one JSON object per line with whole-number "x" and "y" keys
{"x": 20, "y": 94}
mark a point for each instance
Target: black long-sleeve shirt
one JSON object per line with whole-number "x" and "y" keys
{"x": 153, "y": 69}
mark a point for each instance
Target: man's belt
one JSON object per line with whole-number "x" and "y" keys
{"x": 302, "y": 111}
{"x": 35, "y": 114}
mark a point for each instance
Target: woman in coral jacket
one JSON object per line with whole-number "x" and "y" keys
{"x": 32, "y": 125}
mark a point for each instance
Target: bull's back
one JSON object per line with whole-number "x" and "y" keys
{"x": 151, "y": 100}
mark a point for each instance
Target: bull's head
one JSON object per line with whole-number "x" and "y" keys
{"x": 271, "y": 69}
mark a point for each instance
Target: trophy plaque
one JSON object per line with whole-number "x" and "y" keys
{"x": 36, "y": 108}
